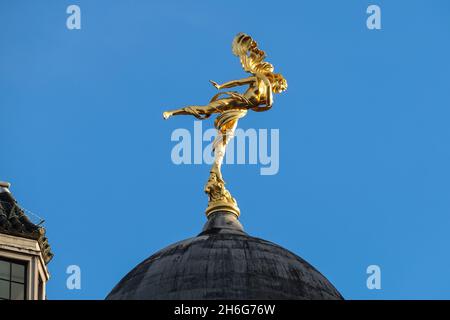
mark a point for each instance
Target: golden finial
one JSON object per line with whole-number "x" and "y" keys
{"x": 231, "y": 106}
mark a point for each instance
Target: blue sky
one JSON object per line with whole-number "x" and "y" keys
{"x": 364, "y": 134}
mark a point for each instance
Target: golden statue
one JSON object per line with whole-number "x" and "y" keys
{"x": 232, "y": 106}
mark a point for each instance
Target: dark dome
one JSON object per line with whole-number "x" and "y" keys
{"x": 224, "y": 262}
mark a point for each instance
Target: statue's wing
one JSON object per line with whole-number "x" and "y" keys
{"x": 252, "y": 58}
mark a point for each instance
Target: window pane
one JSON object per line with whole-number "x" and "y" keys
{"x": 4, "y": 289}
{"x": 18, "y": 273}
{"x": 4, "y": 270}
{"x": 17, "y": 291}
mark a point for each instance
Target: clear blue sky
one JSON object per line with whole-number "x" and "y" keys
{"x": 364, "y": 134}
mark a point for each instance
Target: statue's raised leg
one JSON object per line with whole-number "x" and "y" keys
{"x": 200, "y": 112}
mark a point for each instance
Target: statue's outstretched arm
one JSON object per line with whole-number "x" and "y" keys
{"x": 233, "y": 83}
{"x": 261, "y": 109}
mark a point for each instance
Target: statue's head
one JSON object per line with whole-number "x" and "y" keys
{"x": 278, "y": 82}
